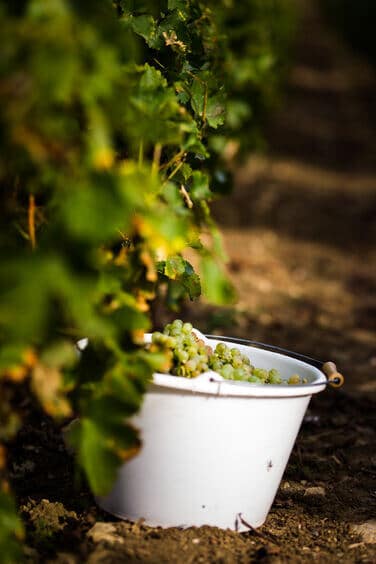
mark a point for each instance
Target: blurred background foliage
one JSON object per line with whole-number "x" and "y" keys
{"x": 118, "y": 123}
{"x": 355, "y": 21}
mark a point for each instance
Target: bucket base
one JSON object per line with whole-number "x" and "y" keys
{"x": 240, "y": 523}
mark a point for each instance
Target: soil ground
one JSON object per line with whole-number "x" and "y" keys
{"x": 300, "y": 235}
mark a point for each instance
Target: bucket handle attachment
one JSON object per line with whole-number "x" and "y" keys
{"x": 335, "y": 378}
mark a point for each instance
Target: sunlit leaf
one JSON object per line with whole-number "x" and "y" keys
{"x": 216, "y": 286}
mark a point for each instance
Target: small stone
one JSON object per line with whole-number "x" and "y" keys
{"x": 286, "y": 486}
{"x": 195, "y": 541}
{"x": 104, "y": 532}
{"x": 366, "y": 530}
{"x": 315, "y": 490}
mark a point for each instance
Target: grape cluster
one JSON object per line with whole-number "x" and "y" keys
{"x": 233, "y": 365}
{"x": 189, "y": 356}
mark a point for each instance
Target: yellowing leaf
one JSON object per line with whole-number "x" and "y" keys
{"x": 18, "y": 372}
{"x": 147, "y": 260}
{"x": 47, "y": 384}
{"x": 103, "y": 158}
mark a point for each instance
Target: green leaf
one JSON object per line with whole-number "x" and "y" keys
{"x": 12, "y": 354}
{"x": 177, "y": 5}
{"x": 129, "y": 319}
{"x": 102, "y": 120}
{"x": 97, "y": 459}
{"x": 83, "y": 209}
{"x": 154, "y": 102}
{"x": 11, "y": 529}
{"x": 186, "y": 171}
{"x": 172, "y": 197}
{"x": 237, "y": 112}
{"x": 195, "y": 243}
{"x": 216, "y": 287}
{"x": 183, "y": 282}
{"x": 192, "y": 285}
{"x": 10, "y": 421}
{"x": 199, "y": 186}
{"x": 146, "y": 27}
{"x": 198, "y": 95}
{"x": 215, "y": 110}
{"x": 103, "y": 438}
{"x": 174, "y": 267}
{"x": 60, "y": 353}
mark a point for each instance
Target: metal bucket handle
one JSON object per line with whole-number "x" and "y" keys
{"x": 334, "y": 378}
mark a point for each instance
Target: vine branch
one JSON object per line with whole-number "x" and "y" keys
{"x": 31, "y": 221}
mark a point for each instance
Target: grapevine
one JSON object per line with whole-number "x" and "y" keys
{"x": 113, "y": 135}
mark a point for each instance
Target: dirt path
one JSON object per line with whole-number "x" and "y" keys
{"x": 300, "y": 229}
{"x": 300, "y": 234}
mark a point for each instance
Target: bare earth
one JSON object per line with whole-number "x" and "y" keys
{"x": 300, "y": 234}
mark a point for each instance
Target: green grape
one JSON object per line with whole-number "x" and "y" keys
{"x": 220, "y": 349}
{"x": 235, "y": 353}
{"x": 170, "y": 342}
{"x": 177, "y": 324}
{"x": 260, "y": 373}
{"x": 237, "y": 362}
{"x": 239, "y": 374}
{"x": 181, "y": 355}
{"x": 294, "y": 379}
{"x": 191, "y": 365}
{"x": 191, "y": 356}
{"x": 158, "y": 338}
{"x": 227, "y": 371}
{"x": 216, "y": 364}
{"x": 188, "y": 341}
{"x": 255, "y": 380}
{"x": 227, "y": 357}
{"x": 187, "y": 328}
{"x": 202, "y": 367}
{"x": 274, "y": 376}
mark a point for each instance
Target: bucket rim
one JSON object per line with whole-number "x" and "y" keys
{"x": 213, "y": 384}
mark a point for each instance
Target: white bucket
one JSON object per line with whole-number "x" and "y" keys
{"x": 213, "y": 451}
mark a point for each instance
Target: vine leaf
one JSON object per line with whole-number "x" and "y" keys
{"x": 98, "y": 455}
{"x": 216, "y": 286}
